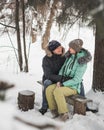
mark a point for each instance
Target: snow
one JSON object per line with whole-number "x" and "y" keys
{"x": 27, "y": 93}
{"x": 28, "y": 81}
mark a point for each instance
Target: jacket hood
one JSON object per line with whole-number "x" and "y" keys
{"x": 85, "y": 59}
{"x": 49, "y": 53}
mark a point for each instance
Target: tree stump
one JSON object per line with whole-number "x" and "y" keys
{"x": 26, "y": 100}
{"x": 79, "y": 103}
{"x": 80, "y": 107}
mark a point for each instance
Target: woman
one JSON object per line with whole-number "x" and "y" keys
{"x": 72, "y": 72}
{"x": 52, "y": 63}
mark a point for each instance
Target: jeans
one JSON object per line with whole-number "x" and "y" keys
{"x": 44, "y": 101}
{"x": 82, "y": 91}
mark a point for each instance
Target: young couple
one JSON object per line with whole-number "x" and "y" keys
{"x": 63, "y": 76}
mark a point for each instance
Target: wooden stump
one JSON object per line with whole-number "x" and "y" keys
{"x": 79, "y": 103}
{"x": 26, "y": 100}
{"x": 80, "y": 107}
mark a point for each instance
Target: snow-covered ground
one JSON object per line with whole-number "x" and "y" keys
{"x": 28, "y": 81}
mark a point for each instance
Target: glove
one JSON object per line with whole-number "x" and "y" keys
{"x": 65, "y": 78}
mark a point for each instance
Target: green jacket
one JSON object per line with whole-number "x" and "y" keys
{"x": 73, "y": 68}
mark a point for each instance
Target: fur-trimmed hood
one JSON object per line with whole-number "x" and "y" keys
{"x": 85, "y": 59}
{"x": 49, "y": 53}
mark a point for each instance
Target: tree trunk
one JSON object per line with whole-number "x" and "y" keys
{"x": 46, "y": 36}
{"x": 18, "y": 37}
{"x": 24, "y": 41}
{"x": 98, "y": 73}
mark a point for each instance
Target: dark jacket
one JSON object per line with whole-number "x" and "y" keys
{"x": 51, "y": 66}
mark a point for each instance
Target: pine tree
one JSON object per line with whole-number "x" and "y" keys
{"x": 92, "y": 11}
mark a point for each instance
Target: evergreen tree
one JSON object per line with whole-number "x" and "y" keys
{"x": 92, "y": 11}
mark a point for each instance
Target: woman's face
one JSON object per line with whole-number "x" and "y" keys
{"x": 58, "y": 50}
{"x": 72, "y": 51}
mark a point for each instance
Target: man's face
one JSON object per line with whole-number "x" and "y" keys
{"x": 58, "y": 50}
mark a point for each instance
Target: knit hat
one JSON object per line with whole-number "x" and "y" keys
{"x": 76, "y": 44}
{"x": 53, "y": 45}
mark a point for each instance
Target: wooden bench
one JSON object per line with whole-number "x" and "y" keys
{"x": 79, "y": 102}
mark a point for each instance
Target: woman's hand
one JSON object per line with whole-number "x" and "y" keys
{"x": 58, "y": 84}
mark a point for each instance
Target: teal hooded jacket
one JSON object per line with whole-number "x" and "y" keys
{"x": 75, "y": 67}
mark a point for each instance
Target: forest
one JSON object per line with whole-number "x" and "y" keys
{"x": 31, "y": 20}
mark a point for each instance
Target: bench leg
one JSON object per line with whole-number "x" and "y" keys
{"x": 79, "y": 107}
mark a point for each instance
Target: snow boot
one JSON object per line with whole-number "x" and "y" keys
{"x": 64, "y": 116}
{"x": 42, "y": 111}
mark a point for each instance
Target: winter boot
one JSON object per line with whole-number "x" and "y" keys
{"x": 92, "y": 110}
{"x": 42, "y": 111}
{"x": 54, "y": 113}
{"x": 64, "y": 116}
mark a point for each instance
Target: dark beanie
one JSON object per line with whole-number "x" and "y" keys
{"x": 53, "y": 45}
{"x": 76, "y": 44}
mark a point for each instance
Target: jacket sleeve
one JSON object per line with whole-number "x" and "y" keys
{"x": 77, "y": 76}
{"x": 55, "y": 78}
{"x": 49, "y": 73}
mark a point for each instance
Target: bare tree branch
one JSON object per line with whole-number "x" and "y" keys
{"x": 99, "y": 8}
{"x": 7, "y": 25}
{"x": 44, "y": 126}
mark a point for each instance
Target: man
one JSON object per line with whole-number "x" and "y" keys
{"x": 52, "y": 63}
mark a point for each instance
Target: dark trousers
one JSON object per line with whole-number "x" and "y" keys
{"x": 44, "y": 100}
{"x": 82, "y": 91}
